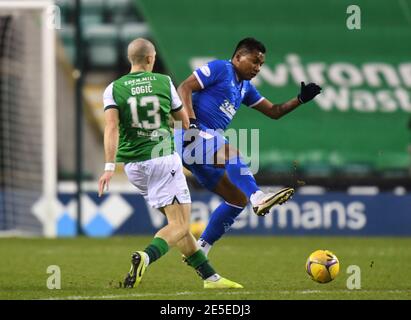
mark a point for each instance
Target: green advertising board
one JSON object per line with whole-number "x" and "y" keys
{"x": 361, "y": 118}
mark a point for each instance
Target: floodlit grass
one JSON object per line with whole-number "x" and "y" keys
{"x": 268, "y": 268}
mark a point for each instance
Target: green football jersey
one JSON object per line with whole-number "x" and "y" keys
{"x": 144, "y": 101}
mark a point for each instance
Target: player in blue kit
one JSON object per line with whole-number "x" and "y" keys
{"x": 211, "y": 96}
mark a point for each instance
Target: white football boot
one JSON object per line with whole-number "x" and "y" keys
{"x": 263, "y": 202}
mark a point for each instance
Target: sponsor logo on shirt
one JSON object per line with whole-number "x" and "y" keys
{"x": 228, "y": 109}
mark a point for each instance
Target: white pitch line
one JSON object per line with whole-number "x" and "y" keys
{"x": 188, "y": 293}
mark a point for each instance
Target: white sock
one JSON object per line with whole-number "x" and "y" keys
{"x": 204, "y": 246}
{"x": 147, "y": 259}
{"x": 256, "y": 197}
{"x": 215, "y": 277}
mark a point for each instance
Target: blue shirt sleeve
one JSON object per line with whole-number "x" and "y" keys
{"x": 252, "y": 96}
{"x": 210, "y": 73}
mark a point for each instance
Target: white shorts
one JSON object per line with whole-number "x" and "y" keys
{"x": 160, "y": 180}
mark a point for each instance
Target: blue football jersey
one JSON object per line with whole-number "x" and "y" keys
{"x": 221, "y": 95}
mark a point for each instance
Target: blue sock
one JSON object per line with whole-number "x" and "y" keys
{"x": 220, "y": 222}
{"x": 245, "y": 182}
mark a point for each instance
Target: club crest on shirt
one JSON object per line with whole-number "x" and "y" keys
{"x": 205, "y": 70}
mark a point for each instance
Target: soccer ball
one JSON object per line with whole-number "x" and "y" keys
{"x": 197, "y": 228}
{"x": 322, "y": 266}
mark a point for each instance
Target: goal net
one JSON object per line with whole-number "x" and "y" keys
{"x": 27, "y": 118}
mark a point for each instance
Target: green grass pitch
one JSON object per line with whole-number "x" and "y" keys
{"x": 268, "y": 267}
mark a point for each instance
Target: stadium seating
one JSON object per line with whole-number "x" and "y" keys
{"x": 118, "y": 12}
{"x": 108, "y": 26}
{"x": 102, "y": 46}
{"x": 92, "y": 11}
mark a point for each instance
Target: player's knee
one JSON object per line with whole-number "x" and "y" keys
{"x": 185, "y": 229}
{"x": 180, "y": 228}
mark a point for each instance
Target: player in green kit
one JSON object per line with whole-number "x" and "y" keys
{"x": 137, "y": 109}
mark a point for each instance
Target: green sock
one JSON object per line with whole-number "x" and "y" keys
{"x": 157, "y": 248}
{"x": 200, "y": 263}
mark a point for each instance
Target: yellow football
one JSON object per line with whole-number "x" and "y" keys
{"x": 322, "y": 266}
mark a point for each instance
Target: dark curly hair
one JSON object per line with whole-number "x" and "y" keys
{"x": 249, "y": 45}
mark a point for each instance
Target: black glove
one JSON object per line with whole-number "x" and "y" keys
{"x": 192, "y": 132}
{"x": 308, "y": 92}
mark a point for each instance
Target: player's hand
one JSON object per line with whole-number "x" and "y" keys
{"x": 104, "y": 182}
{"x": 191, "y": 133}
{"x": 308, "y": 92}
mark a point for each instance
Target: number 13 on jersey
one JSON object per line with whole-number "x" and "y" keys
{"x": 152, "y": 120}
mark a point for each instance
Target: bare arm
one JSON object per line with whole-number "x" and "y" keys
{"x": 110, "y": 146}
{"x": 185, "y": 90}
{"x": 110, "y": 134}
{"x": 276, "y": 111}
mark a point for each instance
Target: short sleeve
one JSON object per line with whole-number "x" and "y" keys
{"x": 108, "y": 98}
{"x": 252, "y": 96}
{"x": 176, "y": 103}
{"x": 210, "y": 73}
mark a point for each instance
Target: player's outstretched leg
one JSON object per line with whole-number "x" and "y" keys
{"x": 225, "y": 214}
{"x": 237, "y": 189}
{"x": 240, "y": 175}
